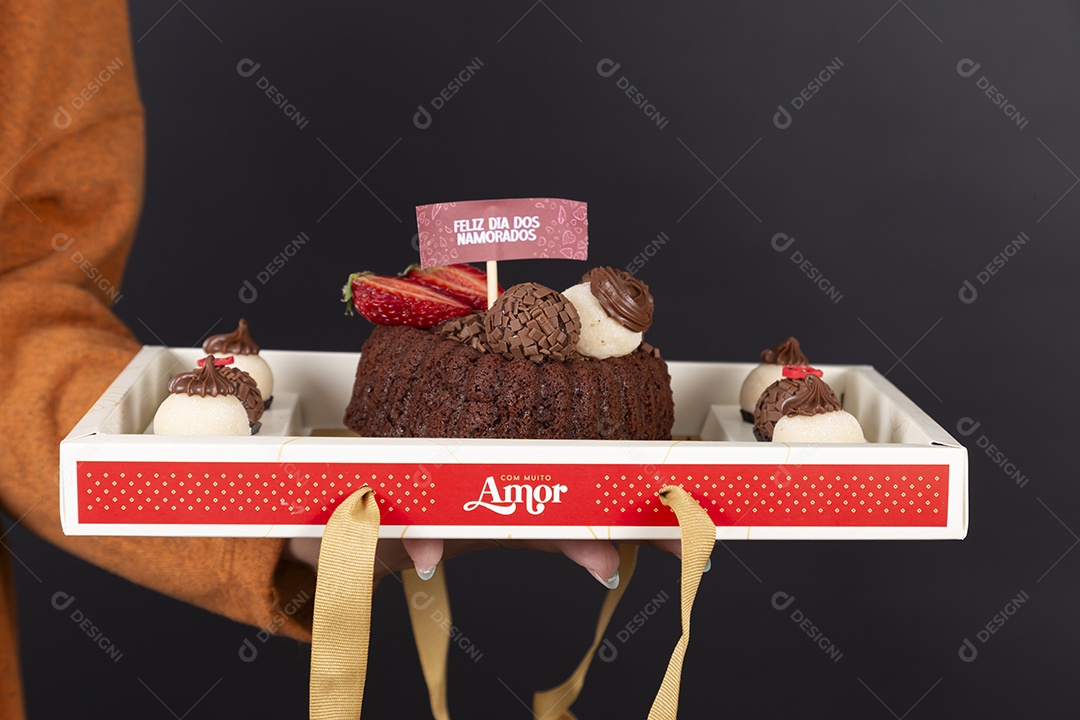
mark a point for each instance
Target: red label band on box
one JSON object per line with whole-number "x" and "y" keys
{"x": 513, "y": 229}
{"x": 222, "y": 493}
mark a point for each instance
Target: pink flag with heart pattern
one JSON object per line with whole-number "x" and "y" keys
{"x": 511, "y": 229}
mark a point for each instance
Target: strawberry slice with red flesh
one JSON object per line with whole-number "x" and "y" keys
{"x": 400, "y": 301}
{"x": 461, "y": 282}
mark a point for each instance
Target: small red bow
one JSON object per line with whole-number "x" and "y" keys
{"x": 798, "y": 372}
{"x": 219, "y": 362}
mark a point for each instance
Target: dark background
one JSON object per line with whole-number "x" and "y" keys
{"x": 900, "y": 179}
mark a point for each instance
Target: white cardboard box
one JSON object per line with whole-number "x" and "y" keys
{"x": 116, "y": 478}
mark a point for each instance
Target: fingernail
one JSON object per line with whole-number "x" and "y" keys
{"x": 611, "y": 583}
{"x": 425, "y": 574}
{"x": 708, "y": 565}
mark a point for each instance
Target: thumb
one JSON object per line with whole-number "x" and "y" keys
{"x": 600, "y": 558}
{"x": 425, "y": 554}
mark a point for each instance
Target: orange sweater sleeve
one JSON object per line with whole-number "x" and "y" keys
{"x": 71, "y": 178}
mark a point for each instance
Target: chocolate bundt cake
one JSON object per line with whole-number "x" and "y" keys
{"x": 413, "y": 382}
{"x": 536, "y": 364}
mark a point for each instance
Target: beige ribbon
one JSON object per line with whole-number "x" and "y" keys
{"x": 429, "y": 610}
{"x": 343, "y": 614}
{"x": 554, "y": 704}
{"x": 342, "y": 623}
{"x": 698, "y": 538}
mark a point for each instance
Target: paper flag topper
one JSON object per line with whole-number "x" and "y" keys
{"x": 512, "y": 229}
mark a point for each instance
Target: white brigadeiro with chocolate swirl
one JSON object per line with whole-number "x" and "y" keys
{"x": 615, "y": 309}
{"x": 769, "y": 371}
{"x": 213, "y": 400}
{"x": 245, "y": 352}
{"x": 838, "y": 426}
{"x": 801, "y": 407}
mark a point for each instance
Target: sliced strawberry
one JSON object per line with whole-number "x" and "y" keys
{"x": 399, "y": 301}
{"x": 462, "y": 282}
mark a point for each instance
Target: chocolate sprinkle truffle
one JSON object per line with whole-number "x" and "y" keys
{"x": 532, "y": 321}
{"x": 468, "y": 330}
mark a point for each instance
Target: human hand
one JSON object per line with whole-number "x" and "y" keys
{"x": 598, "y": 557}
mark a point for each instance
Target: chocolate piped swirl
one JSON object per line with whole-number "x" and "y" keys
{"x": 786, "y": 353}
{"x": 212, "y": 380}
{"x": 238, "y": 342}
{"x": 808, "y": 396}
{"x": 812, "y": 397}
{"x": 623, "y": 297}
{"x": 207, "y": 381}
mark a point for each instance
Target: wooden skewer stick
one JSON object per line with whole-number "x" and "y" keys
{"x": 492, "y": 282}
